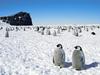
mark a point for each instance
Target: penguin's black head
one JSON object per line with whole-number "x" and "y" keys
{"x": 59, "y": 45}
{"x": 78, "y": 48}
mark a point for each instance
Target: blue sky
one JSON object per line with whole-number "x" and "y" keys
{"x": 55, "y": 11}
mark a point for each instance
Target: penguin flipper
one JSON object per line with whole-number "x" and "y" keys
{"x": 53, "y": 60}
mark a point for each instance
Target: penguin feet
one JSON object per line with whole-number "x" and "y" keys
{"x": 78, "y": 69}
{"x": 61, "y": 67}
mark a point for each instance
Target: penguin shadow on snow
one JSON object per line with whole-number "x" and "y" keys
{"x": 92, "y": 65}
{"x": 67, "y": 64}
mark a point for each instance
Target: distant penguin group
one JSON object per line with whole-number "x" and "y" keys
{"x": 78, "y": 58}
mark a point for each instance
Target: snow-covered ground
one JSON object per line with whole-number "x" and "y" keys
{"x": 30, "y": 53}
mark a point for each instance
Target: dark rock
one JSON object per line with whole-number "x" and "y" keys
{"x": 19, "y": 19}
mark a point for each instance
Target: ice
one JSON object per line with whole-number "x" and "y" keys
{"x": 30, "y": 53}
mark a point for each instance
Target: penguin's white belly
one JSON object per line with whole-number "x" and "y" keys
{"x": 58, "y": 57}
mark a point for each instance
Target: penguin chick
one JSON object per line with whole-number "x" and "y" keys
{"x": 59, "y": 56}
{"x": 78, "y": 59}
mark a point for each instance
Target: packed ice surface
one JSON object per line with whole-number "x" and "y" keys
{"x": 30, "y": 53}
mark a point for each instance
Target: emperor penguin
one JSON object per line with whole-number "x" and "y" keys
{"x": 54, "y": 33}
{"x": 59, "y": 56}
{"x": 78, "y": 58}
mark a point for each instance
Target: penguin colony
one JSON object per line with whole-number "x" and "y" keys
{"x": 78, "y": 58}
{"x": 76, "y": 30}
{"x": 43, "y": 30}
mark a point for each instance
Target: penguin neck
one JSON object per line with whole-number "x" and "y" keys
{"x": 78, "y": 50}
{"x": 59, "y": 48}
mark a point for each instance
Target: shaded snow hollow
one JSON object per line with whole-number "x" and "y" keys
{"x": 30, "y": 53}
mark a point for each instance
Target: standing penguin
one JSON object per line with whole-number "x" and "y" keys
{"x": 78, "y": 59}
{"x": 59, "y": 56}
{"x": 54, "y": 33}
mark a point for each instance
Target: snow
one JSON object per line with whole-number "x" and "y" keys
{"x": 30, "y": 53}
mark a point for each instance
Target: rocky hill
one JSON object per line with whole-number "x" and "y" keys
{"x": 19, "y": 19}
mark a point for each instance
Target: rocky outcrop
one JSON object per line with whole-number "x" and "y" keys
{"x": 19, "y": 19}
